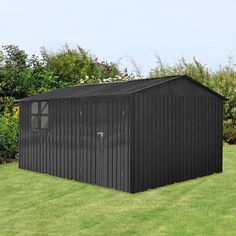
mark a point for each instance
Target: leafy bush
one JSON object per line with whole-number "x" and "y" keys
{"x": 22, "y": 75}
{"x": 9, "y": 133}
{"x": 74, "y": 66}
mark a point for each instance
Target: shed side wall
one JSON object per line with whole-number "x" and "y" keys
{"x": 175, "y": 137}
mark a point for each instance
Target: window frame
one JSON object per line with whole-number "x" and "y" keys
{"x": 39, "y": 115}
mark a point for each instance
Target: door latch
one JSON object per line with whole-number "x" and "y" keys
{"x": 100, "y": 133}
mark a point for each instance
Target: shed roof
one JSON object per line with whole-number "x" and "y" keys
{"x": 109, "y": 89}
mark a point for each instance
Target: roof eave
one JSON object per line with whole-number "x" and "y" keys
{"x": 205, "y": 87}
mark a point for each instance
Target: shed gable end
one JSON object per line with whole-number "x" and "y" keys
{"x": 182, "y": 87}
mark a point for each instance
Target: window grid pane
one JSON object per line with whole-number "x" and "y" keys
{"x": 34, "y": 108}
{"x": 44, "y": 108}
{"x": 44, "y": 122}
{"x": 34, "y": 122}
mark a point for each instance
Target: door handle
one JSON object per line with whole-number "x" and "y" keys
{"x": 100, "y": 133}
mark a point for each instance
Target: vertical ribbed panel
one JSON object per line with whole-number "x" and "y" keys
{"x": 103, "y": 160}
{"x": 71, "y": 148}
{"x": 175, "y": 138}
{"x": 33, "y": 144}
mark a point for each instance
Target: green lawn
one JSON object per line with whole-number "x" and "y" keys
{"x": 37, "y": 204}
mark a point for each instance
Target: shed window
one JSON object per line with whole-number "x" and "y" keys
{"x": 34, "y": 108}
{"x": 39, "y": 115}
{"x": 34, "y": 122}
{"x": 44, "y": 122}
{"x": 44, "y": 108}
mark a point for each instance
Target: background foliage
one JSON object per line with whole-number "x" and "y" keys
{"x": 9, "y": 133}
{"x": 22, "y": 75}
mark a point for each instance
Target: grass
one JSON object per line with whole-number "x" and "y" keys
{"x": 37, "y": 204}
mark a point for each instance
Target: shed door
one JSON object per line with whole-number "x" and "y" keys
{"x": 102, "y": 149}
{"x": 101, "y": 143}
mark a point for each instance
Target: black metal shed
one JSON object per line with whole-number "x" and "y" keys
{"x": 130, "y": 136}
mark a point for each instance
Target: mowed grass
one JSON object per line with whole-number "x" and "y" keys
{"x": 37, "y": 204}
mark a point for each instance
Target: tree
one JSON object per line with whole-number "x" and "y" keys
{"x": 13, "y": 63}
{"x": 22, "y": 75}
{"x": 76, "y": 66}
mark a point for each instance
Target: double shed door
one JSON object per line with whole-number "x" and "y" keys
{"x": 102, "y": 134}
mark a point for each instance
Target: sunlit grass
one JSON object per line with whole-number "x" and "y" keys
{"x": 37, "y": 204}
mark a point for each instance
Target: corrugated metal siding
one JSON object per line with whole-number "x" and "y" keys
{"x": 175, "y": 138}
{"x": 32, "y": 144}
{"x": 71, "y": 147}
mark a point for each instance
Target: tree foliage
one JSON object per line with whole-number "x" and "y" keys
{"x": 76, "y": 66}
{"x": 22, "y": 75}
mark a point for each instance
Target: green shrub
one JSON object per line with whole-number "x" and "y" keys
{"x": 9, "y": 134}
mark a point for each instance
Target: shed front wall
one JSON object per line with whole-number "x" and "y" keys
{"x": 87, "y": 141}
{"x": 175, "y": 137}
